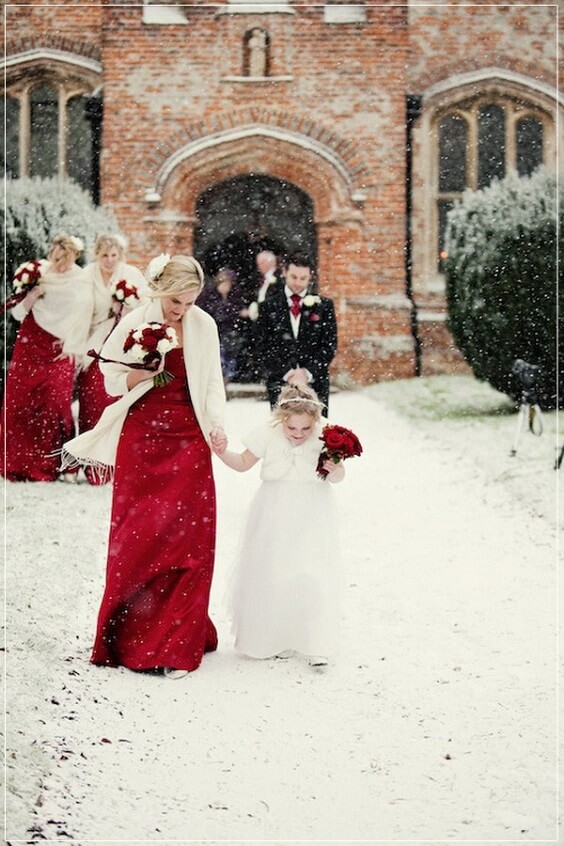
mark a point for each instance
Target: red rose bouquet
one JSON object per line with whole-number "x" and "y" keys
{"x": 125, "y": 294}
{"x": 146, "y": 346}
{"x": 26, "y": 277}
{"x": 338, "y": 443}
{"x": 148, "y": 343}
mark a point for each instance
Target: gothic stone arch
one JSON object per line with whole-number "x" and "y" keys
{"x": 260, "y": 150}
{"x": 375, "y": 335}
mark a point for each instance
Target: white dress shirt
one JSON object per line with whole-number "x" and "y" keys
{"x": 294, "y": 319}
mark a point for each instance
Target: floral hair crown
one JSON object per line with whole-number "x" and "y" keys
{"x": 309, "y": 400}
{"x": 156, "y": 266}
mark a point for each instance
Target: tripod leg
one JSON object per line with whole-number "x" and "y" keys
{"x": 523, "y": 414}
{"x": 535, "y": 420}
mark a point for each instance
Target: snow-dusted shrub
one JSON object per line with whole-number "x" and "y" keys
{"x": 34, "y": 211}
{"x": 502, "y": 286}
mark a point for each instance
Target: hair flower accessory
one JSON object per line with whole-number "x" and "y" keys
{"x": 156, "y": 266}
{"x": 78, "y": 243}
{"x": 310, "y": 300}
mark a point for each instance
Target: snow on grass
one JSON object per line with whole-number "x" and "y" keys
{"x": 437, "y": 720}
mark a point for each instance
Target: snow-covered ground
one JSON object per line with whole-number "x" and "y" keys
{"x": 436, "y": 722}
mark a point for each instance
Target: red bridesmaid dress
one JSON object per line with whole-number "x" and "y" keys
{"x": 154, "y": 611}
{"x": 93, "y": 399}
{"x": 36, "y": 413}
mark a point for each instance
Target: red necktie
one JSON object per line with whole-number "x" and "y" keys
{"x": 296, "y": 306}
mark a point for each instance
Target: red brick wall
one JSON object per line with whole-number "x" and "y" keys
{"x": 341, "y": 85}
{"x": 457, "y": 38}
{"x": 347, "y": 87}
{"x": 75, "y": 29}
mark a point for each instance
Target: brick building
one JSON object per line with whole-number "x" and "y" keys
{"x": 345, "y": 130}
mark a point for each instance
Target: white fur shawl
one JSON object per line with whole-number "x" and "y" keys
{"x": 97, "y": 448}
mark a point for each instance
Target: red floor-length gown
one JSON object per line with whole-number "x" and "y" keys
{"x": 93, "y": 399}
{"x": 36, "y": 415}
{"x": 154, "y": 612}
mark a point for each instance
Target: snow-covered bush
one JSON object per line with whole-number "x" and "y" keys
{"x": 502, "y": 286}
{"x": 34, "y": 211}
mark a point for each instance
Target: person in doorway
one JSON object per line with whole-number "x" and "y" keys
{"x": 266, "y": 281}
{"x": 224, "y": 301}
{"x": 297, "y": 333}
{"x": 267, "y": 274}
{"x": 286, "y": 587}
{"x": 157, "y": 437}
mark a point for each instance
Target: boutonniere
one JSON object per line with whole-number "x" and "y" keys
{"x": 311, "y": 300}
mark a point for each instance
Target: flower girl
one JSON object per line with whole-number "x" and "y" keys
{"x": 286, "y": 586}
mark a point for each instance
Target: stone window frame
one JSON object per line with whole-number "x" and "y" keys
{"x": 20, "y": 86}
{"x": 514, "y": 111}
{"x": 523, "y": 96}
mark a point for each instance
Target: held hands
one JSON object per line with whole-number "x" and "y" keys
{"x": 218, "y": 440}
{"x": 335, "y": 472}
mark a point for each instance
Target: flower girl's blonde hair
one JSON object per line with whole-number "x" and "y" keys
{"x": 296, "y": 399}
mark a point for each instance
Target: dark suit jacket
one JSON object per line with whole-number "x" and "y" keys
{"x": 314, "y": 348}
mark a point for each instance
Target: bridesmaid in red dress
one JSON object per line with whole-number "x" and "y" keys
{"x": 108, "y": 267}
{"x": 154, "y": 612}
{"x": 36, "y": 414}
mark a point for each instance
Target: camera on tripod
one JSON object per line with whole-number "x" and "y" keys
{"x": 529, "y": 379}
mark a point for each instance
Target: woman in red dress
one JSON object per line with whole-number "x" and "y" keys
{"x": 154, "y": 612}
{"x": 36, "y": 414}
{"x": 107, "y": 268}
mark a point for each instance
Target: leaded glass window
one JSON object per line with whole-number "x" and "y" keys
{"x": 529, "y": 144}
{"x": 53, "y": 128}
{"x": 44, "y": 140}
{"x": 491, "y": 144}
{"x": 453, "y": 144}
{"x": 478, "y": 141}
{"x": 79, "y": 142}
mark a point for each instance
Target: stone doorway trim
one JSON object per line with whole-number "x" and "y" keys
{"x": 207, "y": 143}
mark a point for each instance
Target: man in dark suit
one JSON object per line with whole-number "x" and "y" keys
{"x": 267, "y": 278}
{"x": 297, "y": 332}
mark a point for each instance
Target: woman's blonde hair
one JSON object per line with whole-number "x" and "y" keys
{"x": 296, "y": 399}
{"x": 107, "y": 241}
{"x": 179, "y": 274}
{"x": 68, "y": 243}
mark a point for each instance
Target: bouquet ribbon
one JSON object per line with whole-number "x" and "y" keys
{"x": 159, "y": 379}
{"x": 14, "y": 300}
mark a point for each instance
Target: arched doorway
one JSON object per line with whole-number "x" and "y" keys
{"x": 241, "y": 216}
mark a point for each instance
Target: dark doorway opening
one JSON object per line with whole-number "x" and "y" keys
{"x": 240, "y": 217}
